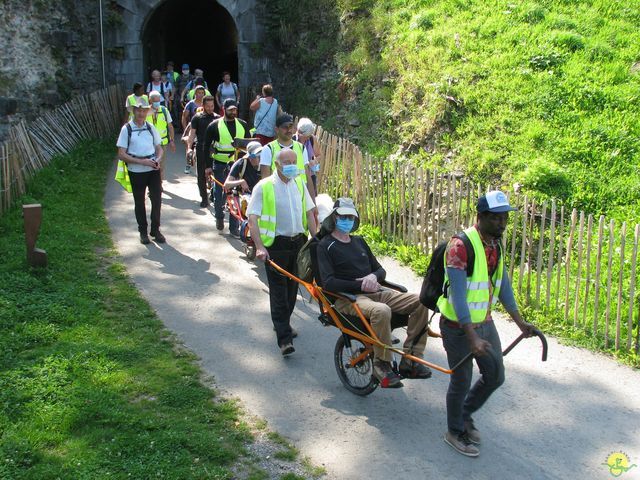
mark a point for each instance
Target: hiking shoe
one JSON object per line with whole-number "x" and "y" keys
{"x": 158, "y": 236}
{"x": 472, "y": 432}
{"x": 204, "y": 204}
{"x": 220, "y": 223}
{"x": 386, "y": 376}
{"x": 287, "y": 349}
{"x": 187, "y": 169}
{"x": 144, "y": 238}
{"x": 461, "y": 444}
{"x": 410, "y": 369}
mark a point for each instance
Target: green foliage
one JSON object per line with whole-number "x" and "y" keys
{"x": 91, "y": 384}
{"x": 487, "y": 88}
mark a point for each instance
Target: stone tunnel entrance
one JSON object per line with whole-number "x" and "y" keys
{"x": 201, "y": 33}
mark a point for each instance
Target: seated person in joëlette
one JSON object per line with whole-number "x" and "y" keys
{"x": 245, "y": 172}
{"x": 346, "y": 264}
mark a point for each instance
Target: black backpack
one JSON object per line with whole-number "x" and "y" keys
{"x": 433, "y": 285}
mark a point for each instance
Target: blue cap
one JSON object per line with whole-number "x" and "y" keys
{"x": 494, "y": 202}
{"x": 185, "y": 66}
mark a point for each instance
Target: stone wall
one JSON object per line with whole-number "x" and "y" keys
{"x": 50, "y": 52}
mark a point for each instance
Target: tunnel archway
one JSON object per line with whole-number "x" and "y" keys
{"x": 201, "y": 33}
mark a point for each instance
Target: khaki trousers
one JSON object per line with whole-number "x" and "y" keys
{"x": 378, "y": 307}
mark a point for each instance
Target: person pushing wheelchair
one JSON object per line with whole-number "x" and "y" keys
{"x": 346, "y": 264}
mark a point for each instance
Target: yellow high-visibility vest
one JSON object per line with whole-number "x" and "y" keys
{"x": 297, "y": 147}
{"x": 223, "y": 150}
{"x": 479, "y": 297}
{"x": 267, "y": 220}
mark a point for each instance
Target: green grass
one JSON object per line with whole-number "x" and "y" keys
{"x": 540, "y": 92}
{"x": 91, "y": 384}
{"x": 289, "y": 453}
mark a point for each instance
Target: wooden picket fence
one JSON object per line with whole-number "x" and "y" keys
{"x": 563, "y": 262}
{"x": 31, "y": 146}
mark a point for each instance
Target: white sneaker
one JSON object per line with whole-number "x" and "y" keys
{"x": 187, "y": 169}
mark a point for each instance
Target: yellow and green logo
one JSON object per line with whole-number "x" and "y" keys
{"x": 618, "y": 463}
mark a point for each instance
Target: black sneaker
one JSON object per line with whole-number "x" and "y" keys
{"x": 204, "y": 204}
{"x": 220, "y": 223}
{"x": 410, "y": 369}
{"x": 144, "y": 238}
{"x": 235, "y": 232}
{"x": 159, "y": 237}
{"x": 386, "y": 376}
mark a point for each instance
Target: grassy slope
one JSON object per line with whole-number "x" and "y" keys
{"x": 91, "y": 386}
{"x": 545, "y": 93}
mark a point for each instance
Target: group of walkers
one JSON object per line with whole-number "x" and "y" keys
{"x": 279, "y": 170}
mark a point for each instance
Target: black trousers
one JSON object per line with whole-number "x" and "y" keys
{"x": 139, "y": 184}
{"x": 201, "y": 165}
{"x": 282, "y": 290}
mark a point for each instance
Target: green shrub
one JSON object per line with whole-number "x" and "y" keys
{"x": 548, "y": 178}
{"x": 569, "y": 40}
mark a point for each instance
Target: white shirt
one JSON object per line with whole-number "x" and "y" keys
{"x": 160, "y": 88}
{"x": 288, "y": 204}
{"x": 142, "y": 144}
{"x": 266, "y": 154}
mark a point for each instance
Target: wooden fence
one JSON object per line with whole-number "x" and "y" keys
{"x": 563, "y": 262}
{"x": 31, "y": 146}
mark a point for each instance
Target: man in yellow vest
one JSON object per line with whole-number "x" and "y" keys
{"x": 280, "y": 219}
{"x": 475, "y": 279}
{"x": 160, "y": 118}
{"x": 218, "y": 141}
{"x": 284, "y": 141}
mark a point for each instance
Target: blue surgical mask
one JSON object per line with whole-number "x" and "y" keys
{"x": 345, "y": 225}
{"x": 315, "y": 168}
{"x": 156, "y": 104}
{"x": 290, "y": 171}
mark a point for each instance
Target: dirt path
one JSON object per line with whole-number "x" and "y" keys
{"x": 549, "y": 420}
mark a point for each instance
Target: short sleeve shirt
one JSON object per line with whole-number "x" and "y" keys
{"x": 142, "y": 144}
{"x": 288, "y": 205}
{"x": 266, "y": 155}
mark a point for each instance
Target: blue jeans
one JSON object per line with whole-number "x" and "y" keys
{"x": 220, "y": 172}
{"x": 463, "y": 401}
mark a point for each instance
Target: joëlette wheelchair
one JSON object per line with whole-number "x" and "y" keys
{"x": 235, "y": 203}
{"x": 353, "y": 353}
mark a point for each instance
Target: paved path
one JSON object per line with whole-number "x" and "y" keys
{"x": 556, "y": 419}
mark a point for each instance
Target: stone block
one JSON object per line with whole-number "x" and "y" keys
{"x": 8, "y": 106}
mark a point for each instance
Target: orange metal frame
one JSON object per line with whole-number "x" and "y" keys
{"x": 368, "y": 340}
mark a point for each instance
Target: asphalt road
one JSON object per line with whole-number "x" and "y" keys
{"x": 556, "y": 419}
